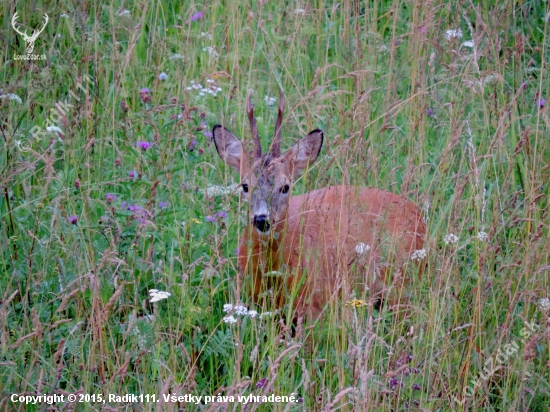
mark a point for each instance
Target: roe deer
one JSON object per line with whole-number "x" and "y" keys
{"x": 322, "y": 243}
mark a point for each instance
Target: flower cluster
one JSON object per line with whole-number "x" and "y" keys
{"x": 270, "y": 100}
{"x": 419, "y": 254}
{"x": 144, "y": 145}
{"x": 482, "y": 236}
{"x": 214, "y": 191}
{"x": 450, "y": 238}
{"x": 362, "y": 248}
{"x": 544, "y": 304}
{"x": 238, "y": 310}
{"x": 145, "y": 95}
{"x": 218, "y": 216}
{"x": 211, "y": 89}
{"x": 11, "y": 96}
{"x": 157, "y": 295}
{"x": 453, "y": 34}
{"x": 211, "y": 52}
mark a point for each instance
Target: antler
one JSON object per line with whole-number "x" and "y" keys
{"x": 276, "y": 146}
{"x": 14, "y": 25}
{"x": 35, "y": 33}
{"x": 257, "y": 146}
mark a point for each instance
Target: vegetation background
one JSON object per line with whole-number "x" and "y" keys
{"x": 440, "y": 101}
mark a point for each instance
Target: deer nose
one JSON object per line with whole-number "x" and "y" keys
{"x": 261, "y": 223}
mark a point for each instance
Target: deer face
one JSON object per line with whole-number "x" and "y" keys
{"x": 267, "y": 180}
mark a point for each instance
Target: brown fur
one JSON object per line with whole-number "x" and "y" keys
{"x": 318, "y": 238}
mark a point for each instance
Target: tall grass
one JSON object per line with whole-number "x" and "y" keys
{"x": 457, "y": 124}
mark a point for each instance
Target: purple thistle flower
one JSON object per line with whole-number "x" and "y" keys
{"x": 222, "y": 215}
{"x": 73, "y": 219}
{"x": 123, "y": 205}
{"x": 144, "y": 95}
{"x": 192, "y": 144}
{"x": 110, "y": 197}
{"x": 144, "y": 145}
{"x": 197, "y": 16}
{"x": 208, "y": 134}
{"x": 416, "y": 386}
{"x": 430, "y": 113}
{"x": 77, "y": 184}
{"x": 163, "y": 205}
{"x": 261, "y": 383}
{"x": 541, "y": 102}
{"x": 132, "y": 174}
{"x": 135, "y": 208}
{"x": 210, "y": 218}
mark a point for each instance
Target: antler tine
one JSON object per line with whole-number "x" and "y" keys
{"x": 257, "y": 146}
{"x": 36, "y": 32}
{"x": 14, "y": 24}
{"x": 276, "y": 146}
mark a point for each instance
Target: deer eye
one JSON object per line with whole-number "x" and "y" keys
{"x": 285, "y": 189}
{"x": 245, "y": 187}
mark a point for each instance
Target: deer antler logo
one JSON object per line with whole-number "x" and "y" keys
{"x": 28, "y": 39}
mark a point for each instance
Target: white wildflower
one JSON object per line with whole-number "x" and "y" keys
{"x": 54, "y": 129}
{"x": 383, "y": 48}
{"x": 207, "y": 35}
{"x": 468, "y": 43}
{"x": 11, "y": 96}
{"x": 252, "y": 313}
{"x": 270, "y": 100}
{"x": 230, "y": 319}
{"x": 450, "y": 238}
{"x": 451, "y": 34}
{"x": 188, "y": 88}
{"x": 482, "y": 236}
{"x": 211, "y": 52}
{"x": 123, "y": 13}
{"x": 265, "y": 314}
{"x": 163, "y": 76}
{"x": 273, "y": 273}
{"x": 214, "y": 191}
{"x": 64, "y": 15}
{"x": 418, "y": 254}
{"x": 240, "y": 310}
{"x": 157, "y": 295}
{"x": 544, "y": 304}
{"x": 177, "y": 56}
{"x": 362, "y": 248}
{"x": 299, "y": 11}
{"x": 228, "y": 307}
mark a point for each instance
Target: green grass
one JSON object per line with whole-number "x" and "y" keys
{"x": 458, "y": 130}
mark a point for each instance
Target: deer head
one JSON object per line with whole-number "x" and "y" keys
{"x": 267, "y": 179}
{"x": 28, "y": 39}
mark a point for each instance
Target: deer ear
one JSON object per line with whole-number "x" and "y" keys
{"x": 305, "y": 151}
{"x": 229, "y": 147}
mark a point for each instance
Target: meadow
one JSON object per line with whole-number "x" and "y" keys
{"x": 119, "y": 222}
